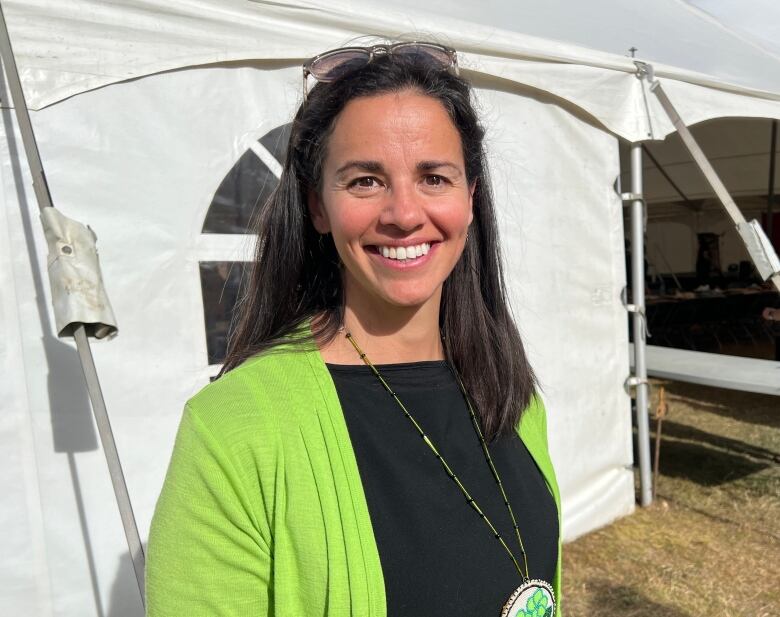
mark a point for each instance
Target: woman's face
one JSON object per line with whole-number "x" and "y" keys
{"x": 395, "y": 197}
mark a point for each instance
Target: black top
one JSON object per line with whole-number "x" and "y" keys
{"x": 438, "y": 557}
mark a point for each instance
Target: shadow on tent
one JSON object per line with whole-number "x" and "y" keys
{"x": 124, "y": 600}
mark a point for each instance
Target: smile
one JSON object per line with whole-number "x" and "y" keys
{"x": 402, "y": 256}
{"x": 404, "y": 252}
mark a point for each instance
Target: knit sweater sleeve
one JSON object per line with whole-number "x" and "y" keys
{"x": 207, "y": 554}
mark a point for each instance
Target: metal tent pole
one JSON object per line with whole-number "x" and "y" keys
{"x": 770, "y": 197}
{"x": 79, "y": 331}
{"x": 638, "y": 324}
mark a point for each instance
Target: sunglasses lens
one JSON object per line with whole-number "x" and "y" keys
{"x": 427, "y": 54}
{"x": 333, "y": 66}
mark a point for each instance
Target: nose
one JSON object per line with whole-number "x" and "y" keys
{"x": 403, "y": 207}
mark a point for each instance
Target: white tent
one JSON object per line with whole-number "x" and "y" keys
{"x": 143, "y": 108}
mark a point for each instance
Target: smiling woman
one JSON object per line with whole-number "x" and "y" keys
{"x": 297, "y": 486}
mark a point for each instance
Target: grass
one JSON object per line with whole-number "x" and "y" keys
{"x": 710, "y": 544}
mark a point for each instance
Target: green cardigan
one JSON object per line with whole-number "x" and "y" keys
{"x": 262, "y": 512}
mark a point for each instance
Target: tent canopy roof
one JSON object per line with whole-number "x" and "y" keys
{"x": 67, "y": 48}
{"x": 670, "y": 32}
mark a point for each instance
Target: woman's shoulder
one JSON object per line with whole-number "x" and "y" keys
{"x": 533, "y": 420}
{"x": 533, "y": 432}
{"x": 264, "y": 391}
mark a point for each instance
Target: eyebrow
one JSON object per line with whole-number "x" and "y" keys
{"x": 376, "y": 166}
{"x": 370, "y": 166}
{"x": 431, "y": 165}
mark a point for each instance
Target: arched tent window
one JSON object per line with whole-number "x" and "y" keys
{"x": 248, "y": 185}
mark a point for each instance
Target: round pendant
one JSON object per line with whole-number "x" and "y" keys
{"x": 534, "y": 598}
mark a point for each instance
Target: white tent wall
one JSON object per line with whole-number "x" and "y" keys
{"x": 25, "y": 576}
{"x": 554, "y": 175}
{"x": 56, "y": 481}
{"x": 140, "y": 161}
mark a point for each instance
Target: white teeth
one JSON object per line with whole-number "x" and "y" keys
{"x": 404, "y": 252}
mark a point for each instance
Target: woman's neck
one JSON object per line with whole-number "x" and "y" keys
{"x": 388, "y": 336}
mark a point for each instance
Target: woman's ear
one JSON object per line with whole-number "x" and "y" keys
{"x": 319, "y": 217}
{"x": 472, "y": 188}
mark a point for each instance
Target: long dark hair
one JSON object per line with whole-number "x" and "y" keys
{"x": 296, "y": 273}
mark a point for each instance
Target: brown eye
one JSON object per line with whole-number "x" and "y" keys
{"x": 434, "y": 180}
{"x": 365, "y": 182}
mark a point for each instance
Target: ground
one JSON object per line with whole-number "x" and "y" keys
{"x": 710, "y": 544}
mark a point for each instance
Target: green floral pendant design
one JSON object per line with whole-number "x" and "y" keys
{"x": 533, "y": 598}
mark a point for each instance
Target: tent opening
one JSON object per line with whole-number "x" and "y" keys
{"x": 703, "y": 292}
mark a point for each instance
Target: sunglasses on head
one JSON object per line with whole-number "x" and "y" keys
{"x": 334, "y": 64}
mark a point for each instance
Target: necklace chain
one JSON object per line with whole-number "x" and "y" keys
{"x": 469, "y": 499}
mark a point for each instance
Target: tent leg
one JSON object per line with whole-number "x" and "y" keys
{"x": 770, "y": 197}
{"x": 638, "y": 300}
{"x": 112, "y": 456}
